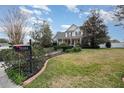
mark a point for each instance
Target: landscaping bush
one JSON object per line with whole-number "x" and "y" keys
{"x": 64, "y": 47}
{"x": 69, "y": 50}
{"x": 74, "y": 49}
{"x": 19, "y": 62}
{"x": 1, "y": 59}
{"x": 108, "y": 45}
{"x": 49, "y": 49}
{"x": 9, "y": 57}
{"x": 55, "y": 48}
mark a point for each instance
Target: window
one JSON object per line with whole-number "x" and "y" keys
{"x": 79, "y": 33}
{"x": 69, "y": 34}
{"x": 65, "y": 34}
{"x": 75, "y": 33}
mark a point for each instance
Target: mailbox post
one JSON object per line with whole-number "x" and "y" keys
{"x": 30, "y": 56}
{"x": 22, "y": 48}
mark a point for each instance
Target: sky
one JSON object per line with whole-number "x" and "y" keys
{"x": 60, "y": 17}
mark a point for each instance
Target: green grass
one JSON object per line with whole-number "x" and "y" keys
{"x": 88, "y": 68}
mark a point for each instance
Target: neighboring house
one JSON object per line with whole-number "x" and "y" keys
{"x": 72, "y": 36}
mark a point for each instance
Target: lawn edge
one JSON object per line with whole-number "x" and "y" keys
{"x": 28, "y": 81}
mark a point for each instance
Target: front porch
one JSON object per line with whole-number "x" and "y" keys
{"x": 72, "y": 42}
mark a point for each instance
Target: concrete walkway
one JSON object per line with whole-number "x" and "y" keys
{"x": 5, "y": 82}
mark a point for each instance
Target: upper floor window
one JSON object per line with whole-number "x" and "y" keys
{"x": 66, "y": 35}
{"x": 79, "y": 33}
{"x": 75, "y": 33}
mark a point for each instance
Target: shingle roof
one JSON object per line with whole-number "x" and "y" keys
{"x": 72, "y": 28}
{"x": 60, "y": 35}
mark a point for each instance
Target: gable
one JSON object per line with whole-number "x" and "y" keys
{"x": 72, "y": 28}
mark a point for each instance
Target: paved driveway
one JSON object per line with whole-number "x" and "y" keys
{"x": 5, "y": 82}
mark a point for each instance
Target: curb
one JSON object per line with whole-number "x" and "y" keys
{"x": 36, "y": 75}
{"x": 39, "y": 73}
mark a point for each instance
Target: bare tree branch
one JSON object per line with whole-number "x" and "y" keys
{"x": 14, "y": 25}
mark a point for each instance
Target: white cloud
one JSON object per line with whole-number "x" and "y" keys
{"x": 42, "y": 7}
{"x": 49, "y": 20}
{"x": 38, "y": 20}
{"x": 37, "y": 12}
{"x": 65, "y": 27}
{"x": 107, "y": 16}
{"x": 86, "y": 13}
{"x": 28, "y": 30}
{"x": 25, "y": 10}
{"x": 73, "y": 8}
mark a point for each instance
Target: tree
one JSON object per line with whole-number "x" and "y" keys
{"x": 3, "y": 40}
{"x": 42, "y": 34}
{"x": 47, "y": 36}
{"x": 94, "y": 31}
{"x": 36, "y": 34}
{"x": 14, "y": 25}
{"x": 119, "y": 15}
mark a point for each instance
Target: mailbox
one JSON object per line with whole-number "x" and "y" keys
{"x": 19, "y": 48}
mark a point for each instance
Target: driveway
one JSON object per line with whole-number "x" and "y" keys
{"x": 5, "y": 82}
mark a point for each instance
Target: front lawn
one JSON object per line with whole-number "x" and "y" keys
{"x": 88, "y": 68}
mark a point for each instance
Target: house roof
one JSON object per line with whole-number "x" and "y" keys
{"x": 72, "y": 28}
{"x": 59, "y": 35}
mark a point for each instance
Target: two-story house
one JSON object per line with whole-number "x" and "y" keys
{"x": 72, "y": 36}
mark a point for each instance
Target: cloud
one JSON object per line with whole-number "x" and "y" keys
{"x": 37, "y": 12}
{"x": 28, "y": 30}
{"x": 107, "y": 16}
{"x": 73, "y": 8}
{"x": 65, "y": 27}
{"x": 24, "y": 10}
{"x": 49, "y": 20}
{"x": 42, "y": 7}
{"x": 38, "y": 20}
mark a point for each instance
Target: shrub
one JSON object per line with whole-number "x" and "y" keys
{"x": 108, "y": 44}
{"x": 69, "y": 50}
{"x": 55, "y": 48}
{"x": 9, "y": 56}
{"x": 78, "y": 44}
{"x": 74, "y": 49}
{"x": 64, "y": 46}
{"x": 1, "y": 58}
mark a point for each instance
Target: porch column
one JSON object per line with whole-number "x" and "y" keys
{"x": 57, "y": 42}
{"x": 75, "y": 42}
{"x": 70, "y": 41}
{"x": 62, "y": 41}
{"x": 80, "y": 40}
